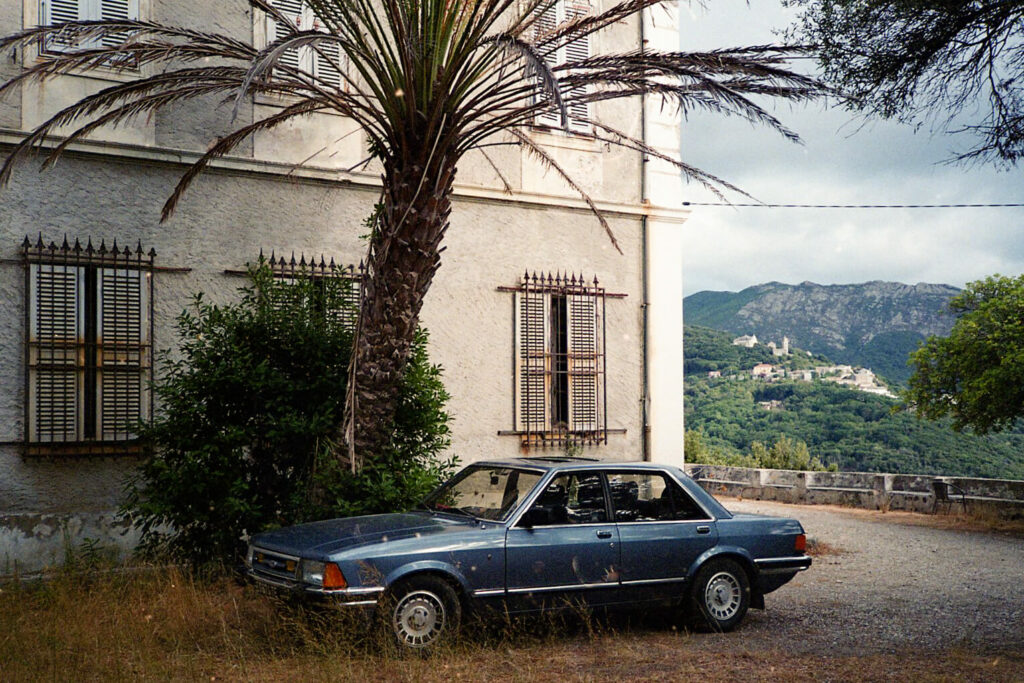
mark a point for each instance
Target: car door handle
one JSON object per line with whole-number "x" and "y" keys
{"x": 604, "y": 534}
{"x": 703, "y": 530}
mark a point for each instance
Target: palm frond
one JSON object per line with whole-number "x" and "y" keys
{"x": 549, "y": 162}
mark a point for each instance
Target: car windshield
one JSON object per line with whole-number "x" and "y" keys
{"x": 484, "y": 492}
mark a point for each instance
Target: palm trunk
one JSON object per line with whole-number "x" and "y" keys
{"x": 404, "y": 255}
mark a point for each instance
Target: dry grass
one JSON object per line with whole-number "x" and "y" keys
{"x": 164, "y": 624}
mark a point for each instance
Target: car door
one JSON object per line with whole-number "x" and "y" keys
{"x": 662, "y": 531}
{"x": 565, "y": 547}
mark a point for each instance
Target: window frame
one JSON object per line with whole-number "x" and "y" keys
{"x": 566, "y": 10}
{"x": 308, "y": 59}
{"x": 560, "y": 370}
{"x": 37, "y": 13}
{"x": 96, "y": 357}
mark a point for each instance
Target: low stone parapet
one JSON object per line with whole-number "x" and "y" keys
{"x": 912, "y": 492}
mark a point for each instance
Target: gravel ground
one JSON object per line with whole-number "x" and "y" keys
{"x": 890, "y": 584}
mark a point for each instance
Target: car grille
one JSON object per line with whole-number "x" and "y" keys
{"x": 275, "y": 567}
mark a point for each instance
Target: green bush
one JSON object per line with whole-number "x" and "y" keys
{"x": 248, "y": 407}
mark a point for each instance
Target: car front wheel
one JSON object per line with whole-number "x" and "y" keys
{"x": 721, "y": 593}
{"x": 425, "y": 611}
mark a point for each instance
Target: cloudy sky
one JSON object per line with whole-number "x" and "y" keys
{"x": 844, "y": 160}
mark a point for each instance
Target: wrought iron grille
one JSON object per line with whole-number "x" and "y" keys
{"x": 560, "y": 361}
{"x": 88, "y": 357}
{"x": 343, "y": 302}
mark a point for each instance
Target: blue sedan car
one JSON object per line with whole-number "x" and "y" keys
{"x": 539, "y": 533}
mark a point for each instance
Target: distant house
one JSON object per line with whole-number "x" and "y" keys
{"x": 780, "y": 350}
{"x": 748, "y": 341}
{"x": 771, "y": 405}
{"x": 762, "y": 370}
{"x": 714, "y": 374}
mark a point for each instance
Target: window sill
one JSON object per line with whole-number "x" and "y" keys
{"x": 558, "y": 137}
{"x": 83, "y": 449}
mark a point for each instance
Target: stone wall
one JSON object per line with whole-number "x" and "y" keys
{"x": 912, "y": 492}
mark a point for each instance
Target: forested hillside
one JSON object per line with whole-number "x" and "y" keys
{"x": 852, "y": 429}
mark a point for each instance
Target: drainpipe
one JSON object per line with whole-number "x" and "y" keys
{"x": 645, "y": 396}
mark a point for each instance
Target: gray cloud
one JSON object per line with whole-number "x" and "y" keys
{"x": 844, "y": 160}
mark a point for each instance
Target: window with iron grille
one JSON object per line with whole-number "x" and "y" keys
{"x": 560, "y": 361}
{"x": 88, "y": 356}
{"x": 52, "y": 12}
{"x": 325, "y": 60}
{"x": 548, "y": 21}
{"x": 338, "y": 287}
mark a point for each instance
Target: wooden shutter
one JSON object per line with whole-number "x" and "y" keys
{"x": 533, "y": 360}
{"x": 584, "y": 363}
{"x": 122, "y": 351}
{"x": 117, "y": 10}
{"x": 327, "y": 62}
{"x": 545, "y": 24}
{"x": 577, "y": 51}
{"x": 295, "y": 12}
{"x": 55, "y": 353}
{"x": 53, "y": 12}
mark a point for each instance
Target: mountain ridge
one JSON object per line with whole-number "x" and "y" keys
{"x": 873, "y": 324}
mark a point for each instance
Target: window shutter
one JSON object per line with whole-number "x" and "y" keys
{"x": 328, "y": 61}
{"x": 117, "y": 10}
{"x": 294, "y": 11}
{"x": 546, "y": 22}
{"x": 584, "y": 363}
{"x": 55, "y": 330}
{"x": 532, "y": 373}
{"x": 578, "y": 51}
{"x": 53, "y": 12}
{"x": 122, "y": 341}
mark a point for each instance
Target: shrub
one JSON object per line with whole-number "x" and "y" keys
{"x": 248, "y": 408}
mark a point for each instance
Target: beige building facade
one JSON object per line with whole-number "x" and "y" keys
{"x": 520, "y": 273}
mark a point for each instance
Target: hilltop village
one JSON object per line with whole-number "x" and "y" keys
{"x": 861, "y": 379}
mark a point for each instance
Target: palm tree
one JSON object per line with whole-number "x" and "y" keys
{"x": 427, "y": 81}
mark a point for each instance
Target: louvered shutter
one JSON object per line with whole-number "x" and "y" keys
{"x": 577, "y": 51}
{"x": 56, "y": 354}
{"x": 122, "y": 350}
{"x": 53, "y": 12}
{"x": 327, "y": 62}
{"x": 533, "y": 360}
{"x": 584, "y": 363}
{"x": 117, "y": 10}
{"x": 546, "y": 22}
{"x": 294, "y": 11}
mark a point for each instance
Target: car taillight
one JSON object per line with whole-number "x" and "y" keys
{"x": 333, "y": 578}
{"x": 800, "y": 544}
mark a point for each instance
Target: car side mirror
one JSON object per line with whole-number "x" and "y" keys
{"x": 535, "y": 516}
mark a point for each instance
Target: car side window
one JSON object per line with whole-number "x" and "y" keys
{"x": 650, "y": 497}
{"x": 569, "y": 499}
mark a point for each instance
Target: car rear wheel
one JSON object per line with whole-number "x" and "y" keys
{"x": 423, "y": 612}
{"x": 721, "y": 594}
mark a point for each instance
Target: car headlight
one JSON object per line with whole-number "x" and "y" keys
{"x": 326, "y": 575}
{"x": 248, "y": 558}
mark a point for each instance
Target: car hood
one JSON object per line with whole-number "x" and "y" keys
{"x": 331, "y": 535}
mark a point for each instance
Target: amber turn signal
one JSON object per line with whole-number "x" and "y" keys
{"x": 333, "y": 578}
{"x": 801, "y": 543}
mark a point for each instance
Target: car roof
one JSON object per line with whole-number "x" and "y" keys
{"x": 553, "y": 462}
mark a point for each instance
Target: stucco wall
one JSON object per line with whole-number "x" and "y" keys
{"x": 222, "y": 224}
{"x": 255, "y": 200}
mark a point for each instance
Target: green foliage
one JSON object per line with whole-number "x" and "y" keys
{"x": 784, "y": 454}
{"x": 851, "y": 429}
{"x": 957, "y": 63}
{"x": 976, "y": 374}
{"x": 248, "y": 405}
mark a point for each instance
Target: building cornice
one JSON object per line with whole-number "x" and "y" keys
{"x": 165, "y": 156}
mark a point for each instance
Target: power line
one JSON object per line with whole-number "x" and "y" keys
{"x": 856, "y": 206}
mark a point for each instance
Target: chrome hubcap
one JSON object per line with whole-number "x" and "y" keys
{"x": 419, "y": 618}
{"x": 722, "y": 596}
